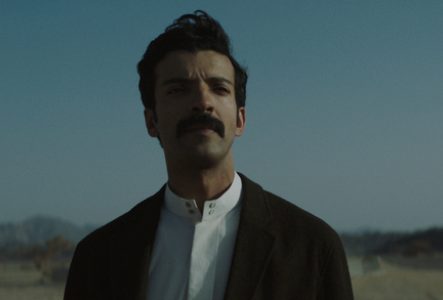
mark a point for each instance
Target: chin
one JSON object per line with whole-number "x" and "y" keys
{"x": 206, "y": 159}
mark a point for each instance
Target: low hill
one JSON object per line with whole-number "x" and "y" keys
{"x": 394, "y": 243}
{"x": 37, "y": 230}
{"x": 428, "y": 241}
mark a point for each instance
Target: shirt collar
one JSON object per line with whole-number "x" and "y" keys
{"x": 212, "y": 209}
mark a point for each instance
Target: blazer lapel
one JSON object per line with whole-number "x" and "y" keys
{"x": 253, "y": 245}
{"x": 131, "y": 248}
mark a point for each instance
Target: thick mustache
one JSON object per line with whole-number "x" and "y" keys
{"x": 203, "y": 120}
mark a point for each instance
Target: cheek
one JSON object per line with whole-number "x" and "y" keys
{"x": 167, "y": 120}
{"x": 163, "y": 113}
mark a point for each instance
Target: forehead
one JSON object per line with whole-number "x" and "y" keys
{"x": 190, "y": 65}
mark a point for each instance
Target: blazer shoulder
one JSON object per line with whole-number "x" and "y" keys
{"x": 287, "y": 219}
{"x": 307, "y": 235}
{"x": 140, "y": 213}
{"x": 288, "y": 214}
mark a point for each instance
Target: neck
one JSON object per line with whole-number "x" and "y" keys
{"x": 201, "y": 184}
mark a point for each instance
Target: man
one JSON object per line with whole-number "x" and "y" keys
{"x": 209, "y": 233}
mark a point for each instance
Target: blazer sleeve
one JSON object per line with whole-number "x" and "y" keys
{"x": 87, "y": 274}
{"x": 335, "y": 282}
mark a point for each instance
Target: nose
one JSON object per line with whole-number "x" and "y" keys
{"x": 203, "y": 99}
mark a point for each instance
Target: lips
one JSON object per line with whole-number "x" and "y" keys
{"x": 199, "y": 127}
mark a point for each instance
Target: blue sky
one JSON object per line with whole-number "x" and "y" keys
{"x": 344, "y": 107}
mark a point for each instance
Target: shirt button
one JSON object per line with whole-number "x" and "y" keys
{"x": 188, "y": 204}
{"x": 211, "y": 211}
{"x": 211, "y": 205}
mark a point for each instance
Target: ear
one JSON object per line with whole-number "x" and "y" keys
{"x": 151, "y": 124}
{"x": 241, "y": 121}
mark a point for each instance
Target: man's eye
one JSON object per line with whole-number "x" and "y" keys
{"x": 175, "y": 90}
{"x": 222, "y": 89}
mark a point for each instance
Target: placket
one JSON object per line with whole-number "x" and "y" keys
{"x": 203, "y": 260}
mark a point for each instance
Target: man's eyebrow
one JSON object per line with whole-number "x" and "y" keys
{"x": 220, "y": 79}
{"x": 188, "y": 80}
{"x": 175, "y": 80}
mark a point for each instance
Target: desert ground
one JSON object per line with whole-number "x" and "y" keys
{"x": 373, "y": 279}
{"x": 22, "y": 281}
{"x": 414, "y": 279}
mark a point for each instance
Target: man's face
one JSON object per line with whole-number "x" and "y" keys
{"x": 197, "y": 116}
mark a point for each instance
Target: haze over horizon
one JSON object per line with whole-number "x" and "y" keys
{"x": 344, "y": 107}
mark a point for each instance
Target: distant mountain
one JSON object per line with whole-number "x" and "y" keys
{"x": 368, "y": 242}
{"x": 420, "y": 242}
{"x": 394, "y": 243}
{"x": 38, "y": 229}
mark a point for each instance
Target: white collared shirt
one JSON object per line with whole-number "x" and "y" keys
{"x": 192, "y": 252}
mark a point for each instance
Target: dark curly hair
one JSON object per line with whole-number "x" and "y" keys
{"x": 190, "y": 32}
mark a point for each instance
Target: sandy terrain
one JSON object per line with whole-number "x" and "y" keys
{"x": 21, "y": 281}
{"x": 388, "y": 281}
{"x": 392, "y": 282}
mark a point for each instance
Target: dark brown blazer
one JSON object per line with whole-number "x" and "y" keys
{"x": 281, "y": 252}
